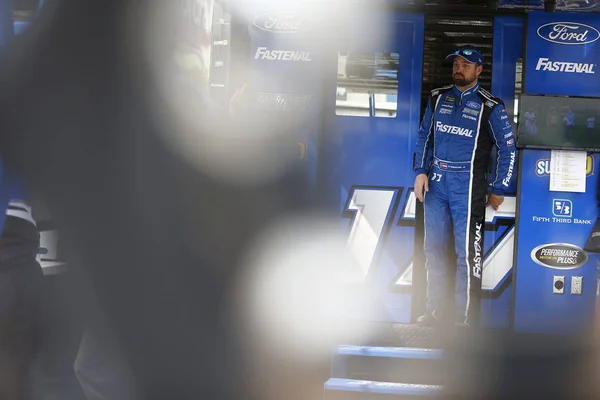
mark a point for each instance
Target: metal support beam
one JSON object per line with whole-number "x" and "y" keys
{"x": 550, "y": 6}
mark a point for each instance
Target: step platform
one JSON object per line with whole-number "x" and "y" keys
{"x": 340, "y": 388}
{"x": 407, "y": 362}
{"x": 402, "y": 361}
{"x": 388, "y": 364}
{"x": 406, "y": 335}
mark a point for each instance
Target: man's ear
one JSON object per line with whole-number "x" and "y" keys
{"x": 479, "y": 69}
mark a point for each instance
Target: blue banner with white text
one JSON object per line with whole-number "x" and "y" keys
{"x": 285, "y": 79}
{"x": 555, "y": 277}
{"x": 563, "y": 48}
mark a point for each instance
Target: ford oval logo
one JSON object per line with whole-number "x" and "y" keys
{"x": 568, "y": 33}
{"x": 281, "y": 23}
{"x": 559, "y": 256}
{"x": 473, "y": 105}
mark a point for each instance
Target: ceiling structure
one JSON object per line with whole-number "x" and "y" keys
{"x": 484, "y": 6}
{"x": 25, "y": 9}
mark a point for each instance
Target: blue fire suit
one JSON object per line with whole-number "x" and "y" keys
{"x": 456, "y": 138}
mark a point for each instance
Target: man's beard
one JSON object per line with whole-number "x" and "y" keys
{"x": 462, "y": 81}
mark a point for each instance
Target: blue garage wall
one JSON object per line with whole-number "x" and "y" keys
{"x": 500, "y": 226}
{"x": 367, "y": 161}
{"x": 562, "y": 57}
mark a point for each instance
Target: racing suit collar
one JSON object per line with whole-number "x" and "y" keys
{"x": 463, "y": 95}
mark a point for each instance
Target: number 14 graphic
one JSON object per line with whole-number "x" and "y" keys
{"x": 373, "y": 209}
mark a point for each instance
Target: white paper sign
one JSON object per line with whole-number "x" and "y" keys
{"x": 567, "y": 171}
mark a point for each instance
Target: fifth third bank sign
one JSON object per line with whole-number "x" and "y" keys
{"x": 564, "y": 49}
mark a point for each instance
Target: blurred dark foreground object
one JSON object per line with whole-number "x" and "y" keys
{"x": 21, "y": 311}
{"x": 486, "y": 364}
{"x": 99, "y": 365}
{"x": 593, "y": 243}
{"x": 161, "y": 241}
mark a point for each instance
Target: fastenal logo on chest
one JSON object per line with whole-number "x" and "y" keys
{"x": 454, "y": 130}
{"x": 263, "y": 53}
{"x": 568, "y": 33}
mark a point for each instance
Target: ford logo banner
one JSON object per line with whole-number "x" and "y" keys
{"x": 281, "y": 23}
{"x": 559, "y": 256}
{"x": 568, "y": 33}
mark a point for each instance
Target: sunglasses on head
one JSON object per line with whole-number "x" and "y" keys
{"x": 466, "y": 52}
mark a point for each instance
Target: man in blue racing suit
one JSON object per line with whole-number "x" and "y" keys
{"x": 461, "y": 125}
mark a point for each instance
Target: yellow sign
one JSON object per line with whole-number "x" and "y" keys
{"x": 542, "y": 166}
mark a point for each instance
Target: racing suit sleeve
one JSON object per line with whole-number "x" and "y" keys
{"x": 424, "y": 147}
{"x": 506, "y": 150}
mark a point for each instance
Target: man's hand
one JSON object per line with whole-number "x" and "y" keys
{"x": 421, "y": 183}
{"x": 494, "y": 200}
